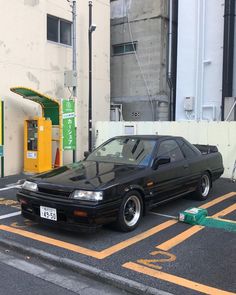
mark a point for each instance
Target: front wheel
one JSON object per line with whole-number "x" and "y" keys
{"x": 204, "y": 187}
{"x": 130, "y": 212}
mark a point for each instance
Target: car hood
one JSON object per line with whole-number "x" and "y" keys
{"x": 88, "y": 175}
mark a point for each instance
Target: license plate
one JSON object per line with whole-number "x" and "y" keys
{"x": 48, "y": 213}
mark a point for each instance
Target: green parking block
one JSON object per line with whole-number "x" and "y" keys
{"x": 199, "y": 216}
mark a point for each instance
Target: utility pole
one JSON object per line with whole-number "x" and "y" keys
{"x": 74, "y": 66}
{"x": 92, "y": 28}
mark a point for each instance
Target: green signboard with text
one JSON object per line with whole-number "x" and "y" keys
{"x": 68, "y": 117}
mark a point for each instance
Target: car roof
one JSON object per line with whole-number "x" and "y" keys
{"x": 149, "y": 137}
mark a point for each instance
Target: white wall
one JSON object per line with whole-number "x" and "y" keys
{"x": 28, "y": 59}
{"x": 200, "y": 57}
{"x": 221, "y": 134}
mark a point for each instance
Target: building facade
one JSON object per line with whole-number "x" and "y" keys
{"x": 139, "y": 39}
{"x": 35, "y": 51}
{"x": 206, "y": 60}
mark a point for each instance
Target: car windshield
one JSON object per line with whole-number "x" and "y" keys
{"x": 124, "y": 151}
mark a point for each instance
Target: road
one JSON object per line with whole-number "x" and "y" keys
{"x": 29, "y": 276}
{"x": 161, "y": 254}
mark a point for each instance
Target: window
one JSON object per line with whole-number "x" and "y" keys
{"x": 170, "y": 148}
{"x": 124, "y": 151}
{"x": 124, "y": 48}
{"x": 188, "y": 152}
{"x": 58, "y": 30}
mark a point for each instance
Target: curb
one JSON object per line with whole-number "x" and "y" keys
{"x": 87, "y": 270}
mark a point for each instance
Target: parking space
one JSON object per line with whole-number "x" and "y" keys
{"x": 162, "y": 252}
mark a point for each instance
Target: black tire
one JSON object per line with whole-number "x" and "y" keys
{"x": 130, "y": 212}
{"x": 204, "y": 187}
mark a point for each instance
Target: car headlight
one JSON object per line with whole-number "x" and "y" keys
{"x": 87, "y": 195}
{"x": 30, "y": 186}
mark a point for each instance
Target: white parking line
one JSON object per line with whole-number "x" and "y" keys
{"x": 164, "y": 215}
{"x": 10, "y": 187}
{"x": 10, "y": 215}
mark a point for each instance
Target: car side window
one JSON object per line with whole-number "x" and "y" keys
{"x": 169, "y": 148}
{"x": 188, "y": 152}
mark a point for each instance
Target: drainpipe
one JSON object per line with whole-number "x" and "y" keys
{"x": 90, "y": 101}
{"x": 169, "y": 74}
{"x": 172, "y": 55}
{"x": 74, "y": 66}
{"x": 228, "y": 53}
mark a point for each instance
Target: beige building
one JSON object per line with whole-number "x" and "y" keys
{"x": 35, "y": 50}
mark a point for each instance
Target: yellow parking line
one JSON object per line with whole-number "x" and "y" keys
{"x": 138, "y": 238}
{"x": 175, "y": 279}
{"x": 122, "y": 245}
{"x": 49, "y": 241}
{"x": 82, "y": 250}
{"x": 193, "y": 230}
{"x": 225, "y": 211}
{"x": 180, "y": 238}
{"x": 218, "y": 200}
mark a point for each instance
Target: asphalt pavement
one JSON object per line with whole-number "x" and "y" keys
{"x": 161, "y": 256}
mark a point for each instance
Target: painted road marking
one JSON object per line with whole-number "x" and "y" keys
{"x": 180, "y": 238}
{"x": 175, "y": 279}
{"x": 166, "y": 246}
{"x": 164, "y": 257}
{"x": 10, "y": 215}
{"x": 113, "y": 249}
{"x": 163, "y": 215}
{"x": 218, "y": 200}
{"x": 10, "y": 187}
{"x": 225, "y": 211}
{"x": 82, "y": 250}
{"x": 7, "y": 202}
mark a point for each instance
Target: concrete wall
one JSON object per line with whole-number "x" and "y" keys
{"x": 200, "y": 58}
{"x": 140, "y": 78}
{"x": 221, "y": 134}
{"x": 28, "y": 59}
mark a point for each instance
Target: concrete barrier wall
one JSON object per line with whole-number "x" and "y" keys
{"x": 221, "y": 134}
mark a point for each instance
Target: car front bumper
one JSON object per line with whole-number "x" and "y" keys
{"x": 95, "y": 215}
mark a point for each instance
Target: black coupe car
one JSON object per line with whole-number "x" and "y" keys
{"x": 119, "y": 181}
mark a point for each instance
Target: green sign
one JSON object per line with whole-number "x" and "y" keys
{"x": 68, "y": 117}
{"x": 1, "y": 150}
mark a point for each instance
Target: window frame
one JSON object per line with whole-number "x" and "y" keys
{"x": 59, "y": 20}
{"x": 134, "y": 45}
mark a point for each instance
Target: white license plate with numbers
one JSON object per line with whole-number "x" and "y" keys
{"x": 48, "y": 213}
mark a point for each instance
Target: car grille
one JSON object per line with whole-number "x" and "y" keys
{"x": 54, "y": 192}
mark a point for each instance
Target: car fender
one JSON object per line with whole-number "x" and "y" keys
{"x": 134, "y": 187}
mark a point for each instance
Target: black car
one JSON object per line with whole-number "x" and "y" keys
{"x": 119, "y": 181}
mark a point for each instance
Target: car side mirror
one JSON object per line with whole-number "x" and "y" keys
{"x": 86, "y": 154}
{"x": 160, "y": 161}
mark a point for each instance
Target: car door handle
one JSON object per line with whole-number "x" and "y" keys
{"x": 186, "y": 166}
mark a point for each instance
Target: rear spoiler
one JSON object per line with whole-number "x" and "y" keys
{"x": 206, "y": 149}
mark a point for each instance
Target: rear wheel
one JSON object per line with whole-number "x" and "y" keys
{"x": 204, "y": 187}
{"x": 130, "y": 212}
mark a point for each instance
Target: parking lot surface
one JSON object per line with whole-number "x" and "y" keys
{"x": 161, "y": 253}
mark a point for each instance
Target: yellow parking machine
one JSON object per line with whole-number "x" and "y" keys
{"x": 37, "y": 145}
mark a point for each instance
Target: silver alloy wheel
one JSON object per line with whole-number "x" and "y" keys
{"x": 205, "y": 185}
{"x": 132, "y": 210}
